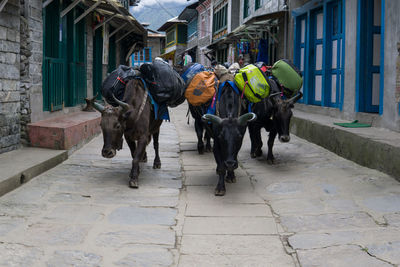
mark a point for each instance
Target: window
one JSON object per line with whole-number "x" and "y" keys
{"x": 220, "y": 19}
{"x": 259, "y": 3}
{"x": 141, "y": 54}
{"x": 246, "y": 8}
{"x": 171, "y": 37}
{"x": 319, "y": 54}
{"x": 222, "y": 55}
{"x": 192, "y": 28}
{"x": 147, "y": 54}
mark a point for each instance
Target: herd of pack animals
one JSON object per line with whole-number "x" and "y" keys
{"x": 134, "y": 119}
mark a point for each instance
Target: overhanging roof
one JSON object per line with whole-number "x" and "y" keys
{"x": 112, "y": 12}
{"x": 169, "y": 23}
{"x": 189, "y": 12}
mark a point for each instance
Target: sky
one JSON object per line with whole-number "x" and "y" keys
{"x": 157, "y": 12}
{"x": 156, "y": 4}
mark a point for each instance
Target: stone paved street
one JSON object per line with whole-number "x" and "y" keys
{"x": 312, "y": 208}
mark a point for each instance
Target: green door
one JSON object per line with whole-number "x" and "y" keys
{"x": 111, "y": 54}
{"x": 97, "y": 62}
{"x": 78, "y": 65}
{"x": 54, "y": 65}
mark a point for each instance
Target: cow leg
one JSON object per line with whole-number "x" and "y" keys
{"x": 230, "y": 177}
{"x": 144, "y": 158}
{"x": 132, "y": 146}
{"x": 256, "y": 141}
{"x": 221, "y": 171}
{"x": 140, "y": 150}
{"x": 208, "y": 142}
{"x": 220, "y": 190}
{"x": 271, "y": 139}
{"x": 198, "y": 126}
{"x": 157, "y": 161}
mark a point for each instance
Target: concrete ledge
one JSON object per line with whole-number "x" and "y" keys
{"x": 19, "y": 166}
{"x": 66, "y": 131}
{"x": 371, "y": 147}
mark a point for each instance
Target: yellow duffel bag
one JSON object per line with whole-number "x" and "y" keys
{"x": 253, "y": 83}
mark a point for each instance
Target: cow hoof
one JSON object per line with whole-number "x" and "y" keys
{"x": 208, "y": 149}
{"x": 219, "y": 193}
{"x": 157, "y": 165}
{"x": 253, "y": 155}
{"x": 144, "y": 159}
{"x": 133, "y": 184}
{"x": 270, "y": 161}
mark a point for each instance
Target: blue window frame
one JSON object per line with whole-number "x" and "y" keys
{"x": 300, "y": 54}
{"x": 319, "y": 51}
{"x": 370, "y": 64}
{"x": 142, "y": 56}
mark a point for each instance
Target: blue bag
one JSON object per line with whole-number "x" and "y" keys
{"x": 192, "y": 70}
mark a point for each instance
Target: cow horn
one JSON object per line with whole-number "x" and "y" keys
{"x": 295, "y": 98}
{"x": 247, "y": 118}
{"x": 124, "y": 105}
{"x": 211, "y": 118}
{"x": 98, "y": 107}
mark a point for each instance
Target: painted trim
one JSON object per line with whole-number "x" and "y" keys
{"x": 343, "y": 46}
{"x": 364, "y": 64}
{"x": 382, "y": 60}
{"x": 358, "y": 58}
{"x": 325, "y": 54}
{"x": 307, "y": 88}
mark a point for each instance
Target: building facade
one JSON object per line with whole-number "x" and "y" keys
{"x": 348, "y": 53}
{"x": 204, "y": 32}
{"x": 55, "y": 53}
{"x": 175, "y": 40}
{"x": 155, "y": 46}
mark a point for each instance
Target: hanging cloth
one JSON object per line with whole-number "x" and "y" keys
{"x": 262, "y": 51}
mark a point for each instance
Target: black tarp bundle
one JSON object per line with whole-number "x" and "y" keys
{"x": 115, "y": 83}
{"x": 164, "y": 83}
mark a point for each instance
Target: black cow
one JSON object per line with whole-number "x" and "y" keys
{"x": 134, "y": 119}
{"x": 228, "y": 130}
{"x": 273, "y": 114}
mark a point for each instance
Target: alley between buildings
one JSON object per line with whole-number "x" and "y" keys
{"x": 311, "y": 208}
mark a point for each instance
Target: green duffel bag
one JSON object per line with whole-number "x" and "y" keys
{"x": 253, "y": 83}
{"x": 287, "y": 75}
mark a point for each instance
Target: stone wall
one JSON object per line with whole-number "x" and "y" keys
{"x": 9, "y": 76}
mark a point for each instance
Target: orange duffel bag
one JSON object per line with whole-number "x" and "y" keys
{"x": 201, "y": 88}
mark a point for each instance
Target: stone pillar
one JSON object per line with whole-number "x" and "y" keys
{"x": 9, "y": 76}
{"x": 25, "y": 53}
{"x": 34, "y": 48}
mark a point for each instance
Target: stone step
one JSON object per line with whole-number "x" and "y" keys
{"x": 66, "y": 131}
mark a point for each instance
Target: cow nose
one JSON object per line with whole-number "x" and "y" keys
{"x": 284, "y": 138}
{"x": 231, "y": 164}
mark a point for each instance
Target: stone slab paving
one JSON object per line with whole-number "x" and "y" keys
{"x": 311, "y": 208}
{"x": 82, "y": 213}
